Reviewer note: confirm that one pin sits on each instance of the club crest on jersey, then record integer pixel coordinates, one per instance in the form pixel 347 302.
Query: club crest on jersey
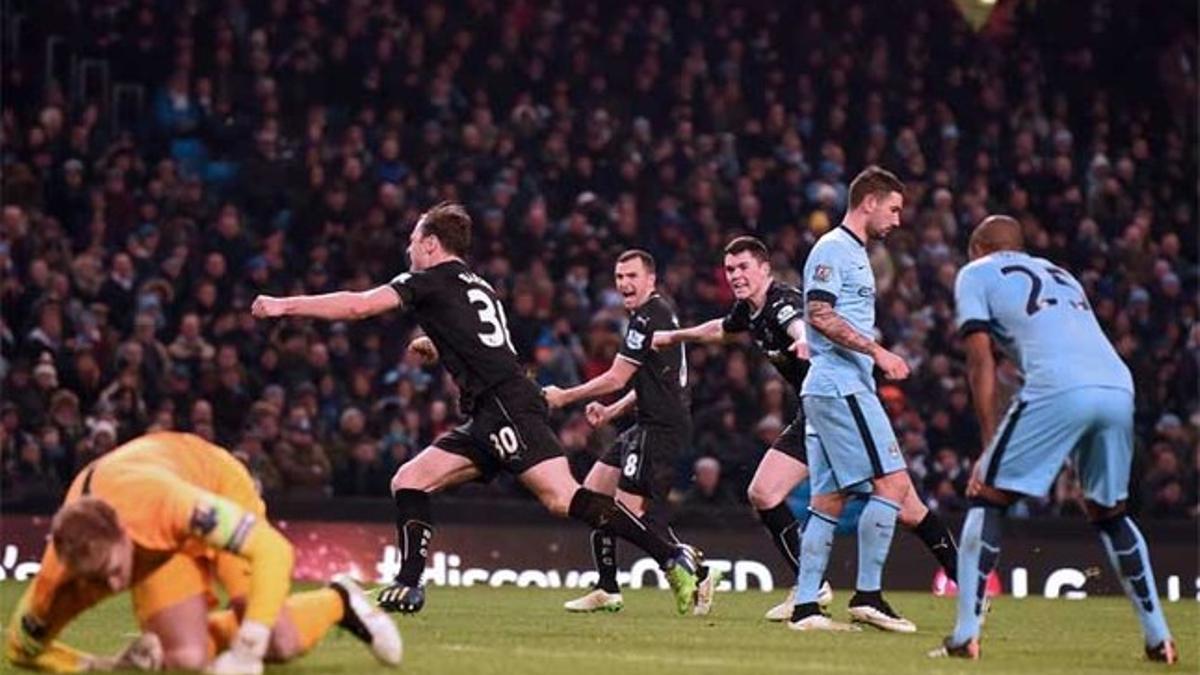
pixel 634 339
pixel 822 273
pixel 204 520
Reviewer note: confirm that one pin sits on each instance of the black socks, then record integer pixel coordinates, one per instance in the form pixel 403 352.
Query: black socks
pixel 414 531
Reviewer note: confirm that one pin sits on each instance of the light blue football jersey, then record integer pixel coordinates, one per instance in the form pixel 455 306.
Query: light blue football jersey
pixel 838 271
pixel 1041 316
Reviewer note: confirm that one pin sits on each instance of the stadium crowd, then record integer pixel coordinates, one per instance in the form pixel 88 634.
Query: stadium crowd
pixel 288 146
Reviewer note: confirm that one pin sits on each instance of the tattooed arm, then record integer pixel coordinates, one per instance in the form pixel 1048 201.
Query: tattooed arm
pixel 821 316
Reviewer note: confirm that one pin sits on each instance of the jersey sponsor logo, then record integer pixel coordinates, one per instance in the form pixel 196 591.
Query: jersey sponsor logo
pixel 787 312
pixel 635 339
pixel 823 273
pixel 866 292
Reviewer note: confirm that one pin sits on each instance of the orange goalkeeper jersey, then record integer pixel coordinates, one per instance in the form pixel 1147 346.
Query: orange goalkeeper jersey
pixel 173 493
pixel 161 486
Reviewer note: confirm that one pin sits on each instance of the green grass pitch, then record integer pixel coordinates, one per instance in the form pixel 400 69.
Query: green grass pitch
pixel 510 630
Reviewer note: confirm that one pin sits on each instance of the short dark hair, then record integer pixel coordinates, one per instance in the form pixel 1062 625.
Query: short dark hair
pixel 873 180
pixel 83 532
pixel 746 243
pixel 644 256
pixel 450 223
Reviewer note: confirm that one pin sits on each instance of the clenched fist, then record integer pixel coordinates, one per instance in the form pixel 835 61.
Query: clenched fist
pixel 424 349
pixel 596 414
pixel 267 307
pixel 893 366
pixel 555 397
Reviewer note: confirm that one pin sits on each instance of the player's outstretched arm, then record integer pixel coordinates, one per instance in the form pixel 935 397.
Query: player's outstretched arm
pixel 339 306
pixel 612 380
pixel 798 331
pixel 25 649
pixel 47 606
pixel 709 332
pixel 981 378
pixel 824 320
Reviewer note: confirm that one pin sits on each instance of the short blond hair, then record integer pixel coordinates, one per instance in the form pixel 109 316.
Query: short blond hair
pixel 84 532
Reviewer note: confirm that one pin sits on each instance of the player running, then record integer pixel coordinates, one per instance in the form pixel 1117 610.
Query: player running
pixel 849 440
pixel 1076 401
pixel 164 516
pixel 771 312
pixel 639 468
pixel 508 429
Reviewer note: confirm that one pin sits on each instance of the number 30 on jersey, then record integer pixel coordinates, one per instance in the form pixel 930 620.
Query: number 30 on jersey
pixel 491 315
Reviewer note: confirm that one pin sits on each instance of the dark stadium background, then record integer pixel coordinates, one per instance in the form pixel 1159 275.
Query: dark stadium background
pixel 163 162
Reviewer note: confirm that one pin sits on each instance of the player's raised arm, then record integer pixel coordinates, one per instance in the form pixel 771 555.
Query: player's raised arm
pixel 709 332
pixel 338 306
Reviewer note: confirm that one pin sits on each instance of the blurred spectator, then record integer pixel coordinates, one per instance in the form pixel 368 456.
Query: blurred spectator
pixel 263 160
pixel 302 462
pixel 30 480
pixel 946 482
pixel 251 452
pixel 362 473
pixel 707 489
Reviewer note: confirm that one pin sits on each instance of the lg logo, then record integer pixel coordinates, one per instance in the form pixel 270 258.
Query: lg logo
pixel 1069 582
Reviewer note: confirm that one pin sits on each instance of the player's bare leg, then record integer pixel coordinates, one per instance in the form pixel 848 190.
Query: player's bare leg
pixel 182 630
pixel 191 636
pixel 552 483
pixel 308 616
pixel 606 595
pixel 776 476
pixel 603 478
pixel 432 470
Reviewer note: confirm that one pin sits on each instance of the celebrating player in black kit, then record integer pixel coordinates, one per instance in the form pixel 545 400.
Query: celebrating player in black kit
pixel 771 312
pixel 507 431
pixel 639 468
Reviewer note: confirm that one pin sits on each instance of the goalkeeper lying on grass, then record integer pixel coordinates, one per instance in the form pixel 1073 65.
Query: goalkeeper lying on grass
pixel 164 516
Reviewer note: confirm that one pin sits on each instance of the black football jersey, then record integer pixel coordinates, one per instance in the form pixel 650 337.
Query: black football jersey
pixel 661 379
pixel 769 329
pixel 460 313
